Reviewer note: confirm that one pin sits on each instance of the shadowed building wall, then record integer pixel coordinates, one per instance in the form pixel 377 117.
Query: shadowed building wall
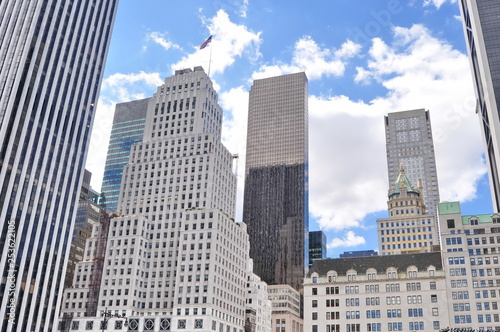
pixel 276 182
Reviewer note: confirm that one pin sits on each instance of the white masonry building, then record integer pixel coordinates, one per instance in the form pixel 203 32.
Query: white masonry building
pixel 175 259
pixel 376 293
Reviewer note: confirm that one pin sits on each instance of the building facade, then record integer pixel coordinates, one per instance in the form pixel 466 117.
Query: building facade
pixel 317 246
pixel 360 253
pixel 481 24
pixel 175 259
pixel 286 309
pixel 471 250
pixel 409 142
pixel 52 56
pixel 276 178
pixel 258 305
pixel 88 210
pixel 408 228
pixel 128 128
pixel 376 293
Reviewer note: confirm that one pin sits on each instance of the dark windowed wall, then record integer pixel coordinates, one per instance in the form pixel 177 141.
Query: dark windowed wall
pixel 317 246
pixel 52 55
pixel 481 26
pixel 128 128
pixel 276 184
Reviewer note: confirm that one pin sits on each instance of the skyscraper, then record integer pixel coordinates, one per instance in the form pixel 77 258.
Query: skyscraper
pixel 52 56
pixel 128 128
pixel 175 259
pixel 481 26
pixel 409 142
pixel 276 178
pixel 317 246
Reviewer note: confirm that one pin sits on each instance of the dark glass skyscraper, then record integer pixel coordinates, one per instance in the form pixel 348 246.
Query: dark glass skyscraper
pixel 276 179
pixel 52 55
pixel 128 128
pixel 317 246
pixel 481 27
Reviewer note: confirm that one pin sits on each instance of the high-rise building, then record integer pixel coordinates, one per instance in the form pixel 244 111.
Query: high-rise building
pixel 317 246
pixel 175 259
pixel 258 305
pixel 52 56
pixel 88 209
pixel 408 228
pixel 481 26
pixel 377 293
pixel 276 179
pixel 470 246
pixel 128 128
pixel 409 142
pixel 286 308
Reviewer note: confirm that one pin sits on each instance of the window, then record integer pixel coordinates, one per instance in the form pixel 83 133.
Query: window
pixel 432 285
pixel 451 223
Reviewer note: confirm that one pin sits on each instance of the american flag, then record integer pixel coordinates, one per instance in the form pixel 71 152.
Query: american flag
pixel 205 43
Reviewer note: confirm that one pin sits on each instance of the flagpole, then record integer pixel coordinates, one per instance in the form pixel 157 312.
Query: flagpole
pixel 210 59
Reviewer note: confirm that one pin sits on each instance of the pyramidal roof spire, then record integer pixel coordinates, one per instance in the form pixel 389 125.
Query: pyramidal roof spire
pixel 402 183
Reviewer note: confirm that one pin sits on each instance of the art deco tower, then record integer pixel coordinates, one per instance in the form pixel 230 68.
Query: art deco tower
pixel 276 178
pixel 481 26
pixel 174 259
pixel 52 55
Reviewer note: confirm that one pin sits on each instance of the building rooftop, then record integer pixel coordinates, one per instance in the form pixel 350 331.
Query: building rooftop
pixel 381 263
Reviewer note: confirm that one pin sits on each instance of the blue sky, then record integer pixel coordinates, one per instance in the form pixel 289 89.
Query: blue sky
pixel 363 58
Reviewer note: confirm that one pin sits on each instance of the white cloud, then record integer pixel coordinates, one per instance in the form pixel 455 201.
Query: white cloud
pixel 350 240
pixel 159 39
pixel 348 171
pixel 437 3
pixel 234 129
pixel 315 61
pixel 230 41
pixel 243 9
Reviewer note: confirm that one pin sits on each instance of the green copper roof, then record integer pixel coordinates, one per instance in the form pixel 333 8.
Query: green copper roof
pixel 402 182
pixel 449 208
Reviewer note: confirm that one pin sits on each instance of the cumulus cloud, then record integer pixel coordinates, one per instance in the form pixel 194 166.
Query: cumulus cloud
pixel 348 171
pixel 234 129
pixel 315 61
pixel 350 240
pixel 230 41
pixel 160 39
pixel 437 3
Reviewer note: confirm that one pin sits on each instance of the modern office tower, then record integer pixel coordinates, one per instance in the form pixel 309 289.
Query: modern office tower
pixel 317 246
pixel 286 309
pixel 409 142
pixel 376 293
pixel 408 228
pixel 470 247
pixel 88 210
pixel 175 259
pixel 481 26
pixel 276 179
pixel 52 56
pixel 128 128
pixel 360 253
pixel 258 305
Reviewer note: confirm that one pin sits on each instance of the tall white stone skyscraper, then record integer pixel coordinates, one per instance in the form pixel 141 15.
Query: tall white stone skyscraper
pixel 481 26
pixel 276 179
pixel 409 143
pixel 175 259
pixel 52 56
